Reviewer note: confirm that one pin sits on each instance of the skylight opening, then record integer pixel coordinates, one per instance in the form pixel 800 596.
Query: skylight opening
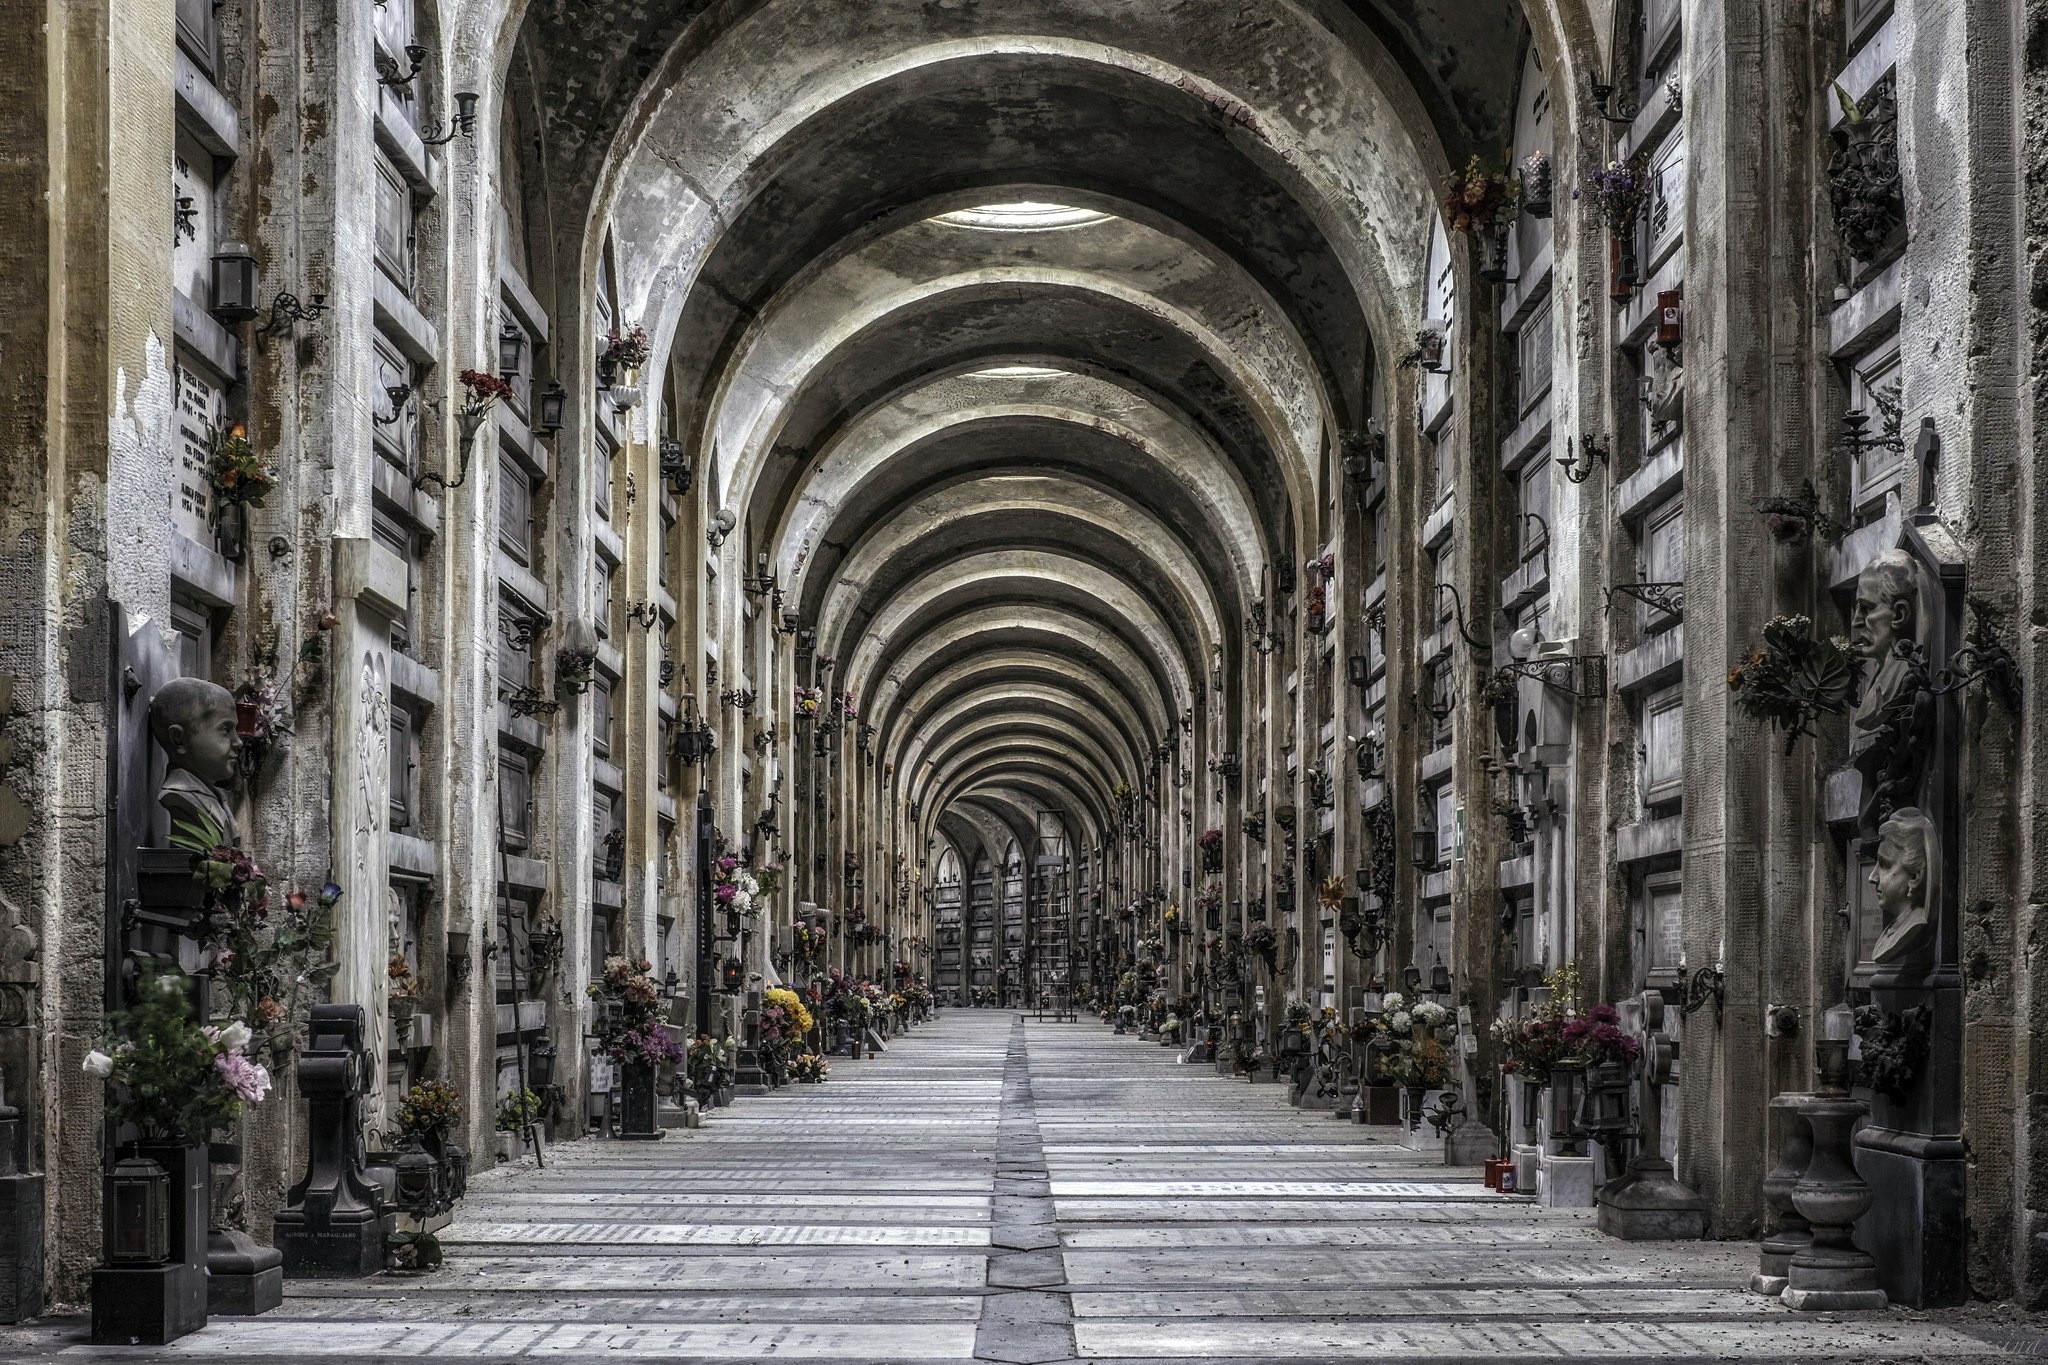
pixel 1023 215
pixel 1016 372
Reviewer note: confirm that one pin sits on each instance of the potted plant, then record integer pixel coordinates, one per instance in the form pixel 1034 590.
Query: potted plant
pixel 518 1112
pixel 633 1035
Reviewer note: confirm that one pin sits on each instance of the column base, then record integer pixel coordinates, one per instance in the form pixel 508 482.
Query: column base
pixel 1649 1204
pixel 21 1245
pixel 243 1277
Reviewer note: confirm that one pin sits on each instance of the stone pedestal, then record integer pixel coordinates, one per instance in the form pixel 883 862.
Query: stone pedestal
pixel 21 1228
pixel 1564 1182
pixel 334 1221
pixel 1526 1157
pixel 155 1304
pixel 1791 1234
pixel 1469 1144
pixel 1915 1225
pixel 1832 1274
pixel 243 1277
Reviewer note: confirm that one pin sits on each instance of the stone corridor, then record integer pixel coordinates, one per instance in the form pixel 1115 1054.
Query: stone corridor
pixel 1003 1189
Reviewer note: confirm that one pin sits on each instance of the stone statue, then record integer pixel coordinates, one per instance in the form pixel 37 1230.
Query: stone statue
pixel 1892 727
pixel 1907 878
pixel 193 720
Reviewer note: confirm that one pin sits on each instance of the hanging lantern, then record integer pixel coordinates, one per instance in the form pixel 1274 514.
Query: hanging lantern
pixel 511 352
pixel 234 282
pixel 732 975
pixel 1439 979
pixel 137 1212
pixel 554 406
pixel 540 1064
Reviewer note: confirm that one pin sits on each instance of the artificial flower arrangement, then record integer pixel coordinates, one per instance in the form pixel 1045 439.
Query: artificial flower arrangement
pixel 1259 938
pixel 627 350
pixel 1154 946
pixel 847 709
pixel 261 959
pixel 1477 201
pixel 809 942
pixel 1796 678
pixel 1617 191
pixel 238 477
pixel 767 879
pixel 734 887
pixel 808 1069
pixel 1538 177
pixel 429 1110
pixel 518 1110
pixel 636 1036
pixel 1211 845
pixel 174 1079
pixel 709 1060
pixel 809 702
pixel 1596 1038
pixel 1318 606
pixel 917 996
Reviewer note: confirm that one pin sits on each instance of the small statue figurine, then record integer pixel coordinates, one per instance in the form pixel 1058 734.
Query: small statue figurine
pixel 1907 878
pixel 1893 724
pixel 193 720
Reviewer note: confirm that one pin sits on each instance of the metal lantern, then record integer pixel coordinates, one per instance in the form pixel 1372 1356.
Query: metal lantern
pixel 137 1212
pixel 511 352
pixel 540 1064
pixel 1422 848
pixel 675 465
pixel 732 975
pixel 1603 1104
pixel 1565 1084
pixel 419 1180
pixel 1359 669
pixel 235 284
pixel 1411 979
pixel 554 406
pixel 1439 979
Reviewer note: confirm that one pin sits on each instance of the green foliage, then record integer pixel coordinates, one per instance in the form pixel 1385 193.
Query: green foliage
pixel 160 1061
pixel 431 1107
pixel 520 1109
pixel 1796 678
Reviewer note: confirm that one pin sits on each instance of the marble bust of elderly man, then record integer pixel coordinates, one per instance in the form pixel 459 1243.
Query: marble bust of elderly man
pixel 1906 875
pixel 193 721
pixel 1894 717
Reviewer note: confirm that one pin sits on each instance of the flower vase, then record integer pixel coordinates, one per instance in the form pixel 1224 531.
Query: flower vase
pixel 637 1121
pixel 1621 269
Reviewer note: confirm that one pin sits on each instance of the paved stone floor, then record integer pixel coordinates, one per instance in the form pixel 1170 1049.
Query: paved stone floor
pixel 1002 1189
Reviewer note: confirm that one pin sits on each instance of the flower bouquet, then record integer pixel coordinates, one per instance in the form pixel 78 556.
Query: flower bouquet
pixel 1476 201
pixel 1259 938
pixel 238 477
pixel 518 1111
pixel 172 1078
pixel 808 1069
pixel 809 702
pixel 627 350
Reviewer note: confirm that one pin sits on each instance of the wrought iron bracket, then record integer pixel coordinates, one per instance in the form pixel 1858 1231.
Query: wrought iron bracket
pixel 1706 984
pixel 1983 658
pixel 1668 598
pixel 531 701
pixel 1595 451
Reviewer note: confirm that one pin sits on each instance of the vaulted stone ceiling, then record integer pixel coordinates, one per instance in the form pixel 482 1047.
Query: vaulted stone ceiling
pixel 1027 478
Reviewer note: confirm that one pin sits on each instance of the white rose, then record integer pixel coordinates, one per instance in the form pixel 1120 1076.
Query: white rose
pixel 98 1063
pixel 1399 1020
pixel 1393 1000
pixel 235 1036
pixel 170 985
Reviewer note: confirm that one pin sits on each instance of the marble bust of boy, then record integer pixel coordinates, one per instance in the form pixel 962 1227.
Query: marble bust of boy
pixel 193 721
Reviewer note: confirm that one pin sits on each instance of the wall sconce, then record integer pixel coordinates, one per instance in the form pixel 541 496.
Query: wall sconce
pixel 788 622
pixel 511 352
pixel 732 976
pixel 1602 92
pixel 645 615
pixel 1479 645
pixel 1439 976
pixel 807 640
pixel 1411 979
pixel 540 1063
pixel 286 308
pixel 1595 451
pixel 675 466
pixel 388 72
pixel 400 396
pixel 463 124
pixel 1362 450
pixel 1670 318
pixel 625 397
pixel 722 522
pixel 1358 669
pixel 761 582
pixel 671 985
pixel 554 406
pixel 235 284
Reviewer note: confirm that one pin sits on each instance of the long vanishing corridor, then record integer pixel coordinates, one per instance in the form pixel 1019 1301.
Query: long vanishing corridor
pixel 1000 1189
pixel 1422 621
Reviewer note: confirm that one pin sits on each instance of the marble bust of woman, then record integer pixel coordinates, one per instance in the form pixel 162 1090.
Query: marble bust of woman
pixel 1906 875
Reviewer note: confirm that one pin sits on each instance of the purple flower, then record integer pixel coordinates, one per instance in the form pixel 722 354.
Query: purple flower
pixel 247 1079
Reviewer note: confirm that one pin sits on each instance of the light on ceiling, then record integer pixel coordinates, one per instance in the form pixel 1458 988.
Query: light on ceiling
pixel 1022 215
